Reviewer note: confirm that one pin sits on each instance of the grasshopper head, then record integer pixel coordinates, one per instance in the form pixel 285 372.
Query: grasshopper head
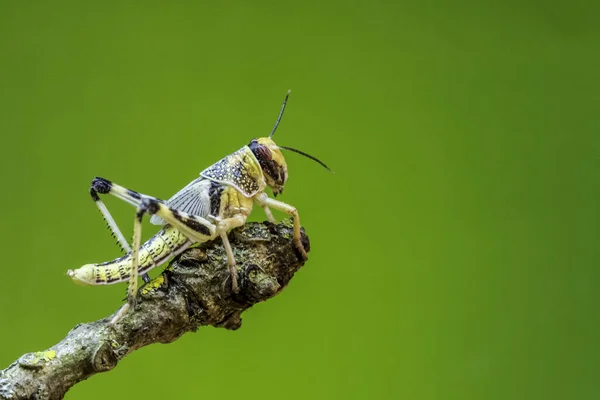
pixel 271 162
pixel 270 158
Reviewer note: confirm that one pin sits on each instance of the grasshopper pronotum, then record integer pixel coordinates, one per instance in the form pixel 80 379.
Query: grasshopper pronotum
pixel 208 207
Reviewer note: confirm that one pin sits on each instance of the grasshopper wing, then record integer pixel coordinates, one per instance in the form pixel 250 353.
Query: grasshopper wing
pixel 193 199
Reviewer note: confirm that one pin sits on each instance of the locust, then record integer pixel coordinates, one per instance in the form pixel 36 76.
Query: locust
pixel 219 200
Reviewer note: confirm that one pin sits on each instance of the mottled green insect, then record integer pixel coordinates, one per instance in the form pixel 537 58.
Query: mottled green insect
pixel 208 207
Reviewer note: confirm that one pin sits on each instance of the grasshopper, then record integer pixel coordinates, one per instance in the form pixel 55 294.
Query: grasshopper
pixel 208 207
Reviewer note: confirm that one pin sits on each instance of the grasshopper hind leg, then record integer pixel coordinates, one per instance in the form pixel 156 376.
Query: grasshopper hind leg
pixel 132 289
pixel 103 186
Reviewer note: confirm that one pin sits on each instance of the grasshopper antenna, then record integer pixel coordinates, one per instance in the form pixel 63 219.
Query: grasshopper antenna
pixel 280 113
pixel 307 156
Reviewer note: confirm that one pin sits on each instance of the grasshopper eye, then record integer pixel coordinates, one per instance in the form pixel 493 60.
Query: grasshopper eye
pixel 261 151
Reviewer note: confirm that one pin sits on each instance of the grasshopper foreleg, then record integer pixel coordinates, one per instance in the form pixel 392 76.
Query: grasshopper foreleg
pixel 265 201
pixel 269 214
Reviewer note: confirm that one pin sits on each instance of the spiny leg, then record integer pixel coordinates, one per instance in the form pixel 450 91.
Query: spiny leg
pixel 135 261
pixel 265 200
pixel 135 255
pixel 112 225
pixel 104 186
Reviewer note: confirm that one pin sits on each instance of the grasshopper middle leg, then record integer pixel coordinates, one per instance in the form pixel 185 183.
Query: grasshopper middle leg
pixel 224 226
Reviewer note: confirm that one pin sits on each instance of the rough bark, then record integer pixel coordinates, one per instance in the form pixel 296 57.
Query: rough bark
pixel 195 290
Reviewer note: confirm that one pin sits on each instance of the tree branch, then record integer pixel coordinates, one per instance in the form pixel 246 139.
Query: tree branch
pixel 195 290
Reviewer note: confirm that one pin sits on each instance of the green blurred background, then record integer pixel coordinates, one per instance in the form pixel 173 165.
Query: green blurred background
pixel 454 252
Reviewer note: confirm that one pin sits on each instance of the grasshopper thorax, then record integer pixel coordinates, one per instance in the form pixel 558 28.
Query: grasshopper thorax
pixel 271 162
